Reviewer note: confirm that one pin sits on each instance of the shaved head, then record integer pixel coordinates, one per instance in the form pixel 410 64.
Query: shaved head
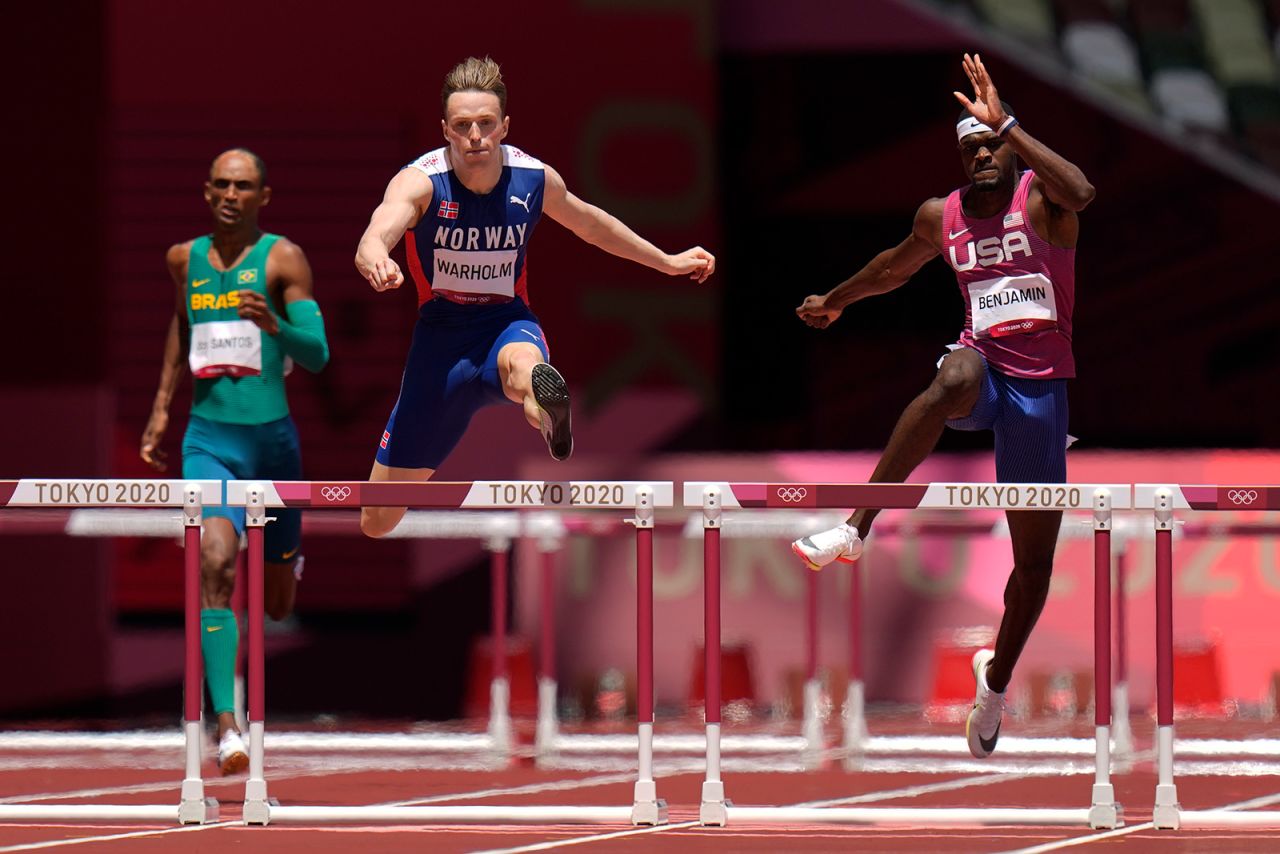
pixel 243 152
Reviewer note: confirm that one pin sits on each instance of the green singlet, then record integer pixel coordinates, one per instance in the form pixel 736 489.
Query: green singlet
pixel 255 398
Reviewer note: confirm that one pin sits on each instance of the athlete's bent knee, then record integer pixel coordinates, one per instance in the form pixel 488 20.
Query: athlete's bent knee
pixel 217 563
pixel 377 524
pixel 960 374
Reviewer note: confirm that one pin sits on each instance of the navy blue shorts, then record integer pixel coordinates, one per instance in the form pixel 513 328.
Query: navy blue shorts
pixel 1029 418
pixel 451 373
pixel 214 450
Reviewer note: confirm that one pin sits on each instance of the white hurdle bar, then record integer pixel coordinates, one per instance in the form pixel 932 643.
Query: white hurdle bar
pixel 716 810
pixel 191 496
pixel 1163 500
pixel 642 498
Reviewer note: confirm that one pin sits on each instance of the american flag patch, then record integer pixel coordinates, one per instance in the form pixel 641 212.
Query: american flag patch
pixel 386 437
pixel 448 210
pixel 1013 219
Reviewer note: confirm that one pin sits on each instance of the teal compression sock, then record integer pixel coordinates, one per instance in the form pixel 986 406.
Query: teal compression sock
pixel 219 638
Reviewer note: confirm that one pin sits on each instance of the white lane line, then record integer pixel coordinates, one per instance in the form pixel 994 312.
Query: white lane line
pixel 595 837
pixel 915 791
pixel 93 793
pixel 1084 840
pixel 867 797
pixel 1252 803
pixel 139 834
pixel 530 788
pixel 527 789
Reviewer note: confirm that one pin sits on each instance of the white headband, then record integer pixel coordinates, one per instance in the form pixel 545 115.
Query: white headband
pixel 969 125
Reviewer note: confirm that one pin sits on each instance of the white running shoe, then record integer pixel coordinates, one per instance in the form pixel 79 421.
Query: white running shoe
pixel 982 728
pixel 233 756
pixel 841 543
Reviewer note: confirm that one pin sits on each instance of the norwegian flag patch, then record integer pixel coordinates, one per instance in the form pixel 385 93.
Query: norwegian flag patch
pixel 1013 219
pixel 448 210
pixel 386 437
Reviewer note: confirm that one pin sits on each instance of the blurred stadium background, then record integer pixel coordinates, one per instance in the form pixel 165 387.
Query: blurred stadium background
pixel 794 140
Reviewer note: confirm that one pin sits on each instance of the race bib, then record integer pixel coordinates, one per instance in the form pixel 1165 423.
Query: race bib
pixel 231 348
pixel 1012 305
pixel 475 277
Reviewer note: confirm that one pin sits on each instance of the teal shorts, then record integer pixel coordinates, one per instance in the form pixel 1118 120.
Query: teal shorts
pixel 213 450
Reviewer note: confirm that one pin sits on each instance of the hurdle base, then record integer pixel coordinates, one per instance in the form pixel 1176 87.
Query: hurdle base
pixel 257 806
pixel 195 808
pixel 1105 814
pixel 648 809
pixel 713 811
pixel 1166 815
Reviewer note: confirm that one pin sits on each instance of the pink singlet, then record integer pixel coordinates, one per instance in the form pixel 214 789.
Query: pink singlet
pixel 1018 289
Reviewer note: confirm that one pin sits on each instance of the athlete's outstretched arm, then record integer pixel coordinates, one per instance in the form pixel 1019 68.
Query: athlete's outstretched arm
pixel 175 348
pixel 1064 183
pixel 407 196
pixel 602 229
pixel 889 270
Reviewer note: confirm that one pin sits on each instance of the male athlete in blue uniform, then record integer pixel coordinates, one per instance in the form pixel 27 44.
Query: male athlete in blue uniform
pixel 245 313
pixel 467 212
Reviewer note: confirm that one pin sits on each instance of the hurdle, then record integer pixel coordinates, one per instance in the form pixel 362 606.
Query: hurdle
pixel 641 498
pixel 784 524
pixel 1163 501
pixel 191 496
pixel 713 497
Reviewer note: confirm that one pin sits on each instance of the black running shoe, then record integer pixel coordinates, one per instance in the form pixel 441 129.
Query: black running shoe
pixel 553 398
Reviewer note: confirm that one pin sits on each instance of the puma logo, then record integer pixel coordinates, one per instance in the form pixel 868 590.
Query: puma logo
pixel 524 203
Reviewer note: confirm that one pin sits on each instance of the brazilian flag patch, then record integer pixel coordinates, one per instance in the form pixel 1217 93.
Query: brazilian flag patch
pixel 247 277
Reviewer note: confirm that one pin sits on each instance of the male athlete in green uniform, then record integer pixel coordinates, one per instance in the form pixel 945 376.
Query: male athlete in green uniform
pixel 245 313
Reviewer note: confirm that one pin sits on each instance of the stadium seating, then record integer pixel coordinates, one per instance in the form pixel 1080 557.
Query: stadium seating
pixel 1206 67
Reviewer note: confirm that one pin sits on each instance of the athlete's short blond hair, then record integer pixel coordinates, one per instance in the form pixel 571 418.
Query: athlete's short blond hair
pixel 475 75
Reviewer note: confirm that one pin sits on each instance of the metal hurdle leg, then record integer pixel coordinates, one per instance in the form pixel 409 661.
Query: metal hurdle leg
pixel 194 808
pixel 713 809
pixel 647 808
pixel 855 719
pixel 500 686
pixel 1121 734
pixel 257 809
pixel 548 726
pixel 811 726
pixel 1104 812
pixel 1166 810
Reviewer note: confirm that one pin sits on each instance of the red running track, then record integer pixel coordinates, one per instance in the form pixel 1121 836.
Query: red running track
pixel 149 777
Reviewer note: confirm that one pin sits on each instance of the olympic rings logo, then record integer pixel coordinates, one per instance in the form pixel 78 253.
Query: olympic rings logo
pixel 1242 496
pixel 792 494
pixel 335 493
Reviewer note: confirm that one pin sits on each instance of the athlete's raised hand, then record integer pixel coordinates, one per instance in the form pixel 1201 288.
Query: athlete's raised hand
pixel 985 106
pixel 697 263
pixel 151 452
pixel 814 312
pixel 253 306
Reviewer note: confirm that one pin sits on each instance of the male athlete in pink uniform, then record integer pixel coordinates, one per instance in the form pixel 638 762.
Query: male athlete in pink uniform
pixel 1011 237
